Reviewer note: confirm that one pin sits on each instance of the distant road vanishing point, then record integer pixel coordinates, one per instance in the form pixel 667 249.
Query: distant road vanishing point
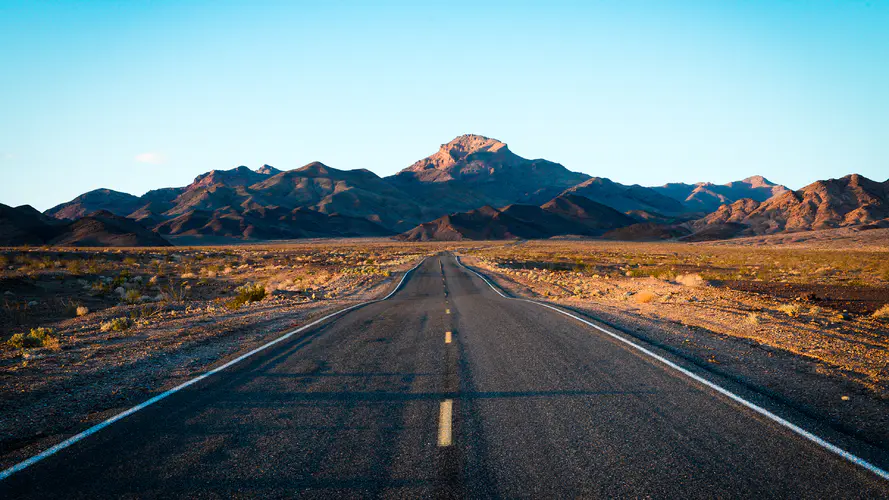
pixel 447 389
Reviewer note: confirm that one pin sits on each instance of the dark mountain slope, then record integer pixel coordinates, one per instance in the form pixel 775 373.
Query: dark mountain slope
pixel 24 226
pixel 117 203
pixel 564 215
pixel 626 198
pixel 104 229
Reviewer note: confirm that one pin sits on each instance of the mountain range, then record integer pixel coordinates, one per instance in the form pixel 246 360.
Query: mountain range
pixel 472 187
pixel 566 214
pixel 25 225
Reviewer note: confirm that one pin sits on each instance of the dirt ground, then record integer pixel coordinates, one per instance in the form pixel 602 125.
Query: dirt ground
pixel 861 300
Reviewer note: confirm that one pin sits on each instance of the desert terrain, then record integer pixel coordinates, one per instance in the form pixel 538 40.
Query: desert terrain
pixel 89 332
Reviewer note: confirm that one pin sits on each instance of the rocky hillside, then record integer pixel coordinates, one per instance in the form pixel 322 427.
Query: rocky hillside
pixel 118 203
pixel 707 197
pixel 26 226
pixel 269 224
pixel 466 173
pixel 448 187
pixel 564 215
pixel 314 200
pixel 472 171
pixel 851 200
pixel 626 198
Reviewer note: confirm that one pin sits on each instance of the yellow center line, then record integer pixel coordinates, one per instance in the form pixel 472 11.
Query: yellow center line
pixel 447 337
pixel 444 423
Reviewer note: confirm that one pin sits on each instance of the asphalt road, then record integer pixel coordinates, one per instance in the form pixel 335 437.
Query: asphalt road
pixel 523 402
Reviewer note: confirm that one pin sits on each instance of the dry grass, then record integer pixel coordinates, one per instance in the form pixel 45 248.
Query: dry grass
pixel 792 310
pixel 882 313
pixel 37 337
pixel 116 325
pixel 645 297
pixel 251 292
pixel 665 260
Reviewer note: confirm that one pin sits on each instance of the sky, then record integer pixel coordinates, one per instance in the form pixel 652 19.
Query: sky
pixel 140 95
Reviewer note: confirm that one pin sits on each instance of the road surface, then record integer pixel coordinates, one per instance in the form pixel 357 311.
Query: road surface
pixel 516 401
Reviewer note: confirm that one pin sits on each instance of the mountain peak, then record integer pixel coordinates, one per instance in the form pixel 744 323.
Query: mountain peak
pixel 316 168
pixel 756 181
pixel 458 150
pixel 238 176
pixel 468 144
pixel 267 170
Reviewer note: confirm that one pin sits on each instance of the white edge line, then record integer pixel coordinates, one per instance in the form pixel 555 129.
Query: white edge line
pixel 96 428
pixel 725 392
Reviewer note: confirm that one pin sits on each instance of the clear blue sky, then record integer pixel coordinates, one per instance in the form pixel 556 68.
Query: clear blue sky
pixel 140 95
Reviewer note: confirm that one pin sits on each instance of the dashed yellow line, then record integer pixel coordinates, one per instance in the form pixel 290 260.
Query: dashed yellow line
pixel 445 412
pixel 447 337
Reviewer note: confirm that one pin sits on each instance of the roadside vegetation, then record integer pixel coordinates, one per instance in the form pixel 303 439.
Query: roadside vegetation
pixel 42 286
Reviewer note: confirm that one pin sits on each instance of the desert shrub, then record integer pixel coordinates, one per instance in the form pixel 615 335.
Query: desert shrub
pixel 132 297
pixel 664 274
pixel 146 312
pixel 840 316
pixel 37 337
pixel 129 261
pixel 882 313
pixel 693 280
pixel 17 341
pixel 82 311
pixel 752 319
pixel 792 310
pixel 116 325
pixel 75 267
pixel 174 294
pixel 100 287
pixel 645 297
pixel 94 266
pixel 4 261
pixel 251 292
